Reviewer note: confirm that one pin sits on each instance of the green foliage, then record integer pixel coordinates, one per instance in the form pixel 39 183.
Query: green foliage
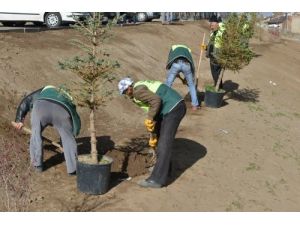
pixel 94 66
pixel 252 167
pixel 212 88
pixel 235 53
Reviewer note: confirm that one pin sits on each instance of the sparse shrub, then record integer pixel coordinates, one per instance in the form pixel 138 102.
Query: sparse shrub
pixel 15 174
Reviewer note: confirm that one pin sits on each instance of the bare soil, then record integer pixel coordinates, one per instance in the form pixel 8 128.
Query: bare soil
pixel 243 156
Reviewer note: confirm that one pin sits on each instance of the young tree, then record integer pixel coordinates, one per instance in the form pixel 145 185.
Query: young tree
pixel 94 67
pixel 234 52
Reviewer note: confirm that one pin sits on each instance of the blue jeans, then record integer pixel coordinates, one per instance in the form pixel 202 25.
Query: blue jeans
pixel 167 16
pixel 185 68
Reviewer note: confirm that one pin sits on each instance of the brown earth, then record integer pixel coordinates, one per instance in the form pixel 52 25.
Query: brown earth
pixel 243 156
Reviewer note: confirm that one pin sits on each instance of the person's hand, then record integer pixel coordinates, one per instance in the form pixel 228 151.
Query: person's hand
pixel 150 124
pixel 203 47
pixel 19 125
pixel 152 142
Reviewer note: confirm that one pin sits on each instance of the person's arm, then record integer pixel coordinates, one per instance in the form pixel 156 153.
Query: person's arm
pixel 142 93
pixel 25 107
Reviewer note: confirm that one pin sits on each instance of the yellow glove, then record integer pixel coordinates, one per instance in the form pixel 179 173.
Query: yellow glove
pixel 152 142
pixel 149 125
pixel 203 47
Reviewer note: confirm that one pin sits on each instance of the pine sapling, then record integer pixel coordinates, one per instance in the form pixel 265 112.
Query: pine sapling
pixel 94 67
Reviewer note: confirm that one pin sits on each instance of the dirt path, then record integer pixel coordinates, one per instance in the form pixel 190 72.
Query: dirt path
pixel 243 156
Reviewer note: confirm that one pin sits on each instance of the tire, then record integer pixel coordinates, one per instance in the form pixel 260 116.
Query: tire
pixel 53 20
pixel 8 23
pixel 141 17
pixel 20 24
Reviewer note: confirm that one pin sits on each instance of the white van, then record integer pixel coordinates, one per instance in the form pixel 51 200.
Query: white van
pixel 51 19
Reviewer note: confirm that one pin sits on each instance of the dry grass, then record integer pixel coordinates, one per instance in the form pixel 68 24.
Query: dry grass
pixel 15 174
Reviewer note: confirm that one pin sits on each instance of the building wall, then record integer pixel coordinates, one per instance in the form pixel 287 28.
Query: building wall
pixel 295 24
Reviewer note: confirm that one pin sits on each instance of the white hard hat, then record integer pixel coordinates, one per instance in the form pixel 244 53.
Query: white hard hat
pixel 124 84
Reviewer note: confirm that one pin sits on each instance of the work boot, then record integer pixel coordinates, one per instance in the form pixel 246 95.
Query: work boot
pixel 72 174
pixel 195 108
pixel 149 184
pixel 38 169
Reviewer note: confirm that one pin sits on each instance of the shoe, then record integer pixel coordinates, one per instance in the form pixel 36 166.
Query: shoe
pixel 195 108
pixel 149 184
pixel 38 169
pixel 72 174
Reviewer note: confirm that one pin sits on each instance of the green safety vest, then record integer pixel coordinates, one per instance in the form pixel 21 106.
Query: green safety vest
pixel 169 97
pixel 62 97
pixel 217 37
pixel 180 51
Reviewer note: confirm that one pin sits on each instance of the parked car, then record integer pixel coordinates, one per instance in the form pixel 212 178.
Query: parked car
pixel 131 16
pixel 51 19
pixel 146 16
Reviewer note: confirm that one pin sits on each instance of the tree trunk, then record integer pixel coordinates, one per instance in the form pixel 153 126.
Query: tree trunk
pixel 94 152
pixel 219 80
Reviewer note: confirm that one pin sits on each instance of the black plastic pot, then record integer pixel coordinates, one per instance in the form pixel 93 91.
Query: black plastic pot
pixel 213 99
pixel 93 178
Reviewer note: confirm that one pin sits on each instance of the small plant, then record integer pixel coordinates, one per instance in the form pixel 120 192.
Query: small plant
pixel 255 108
pixel 252 167
pixel 235 205
pixel 95 69
pixel 211 88
pixel 234 53
pixel 271 187
pixel 279 128
pixel 281 114
pixel 297 115
pixel 277 146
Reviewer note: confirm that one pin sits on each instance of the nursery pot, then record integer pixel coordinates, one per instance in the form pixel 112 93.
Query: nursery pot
pixel 93 178
pixel 213 99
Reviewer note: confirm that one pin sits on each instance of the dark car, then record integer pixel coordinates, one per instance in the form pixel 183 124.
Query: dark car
pixel 131 16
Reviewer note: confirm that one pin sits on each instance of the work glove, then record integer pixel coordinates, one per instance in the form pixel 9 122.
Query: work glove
pixel 152 142
pixel 203 47
pixel 149 125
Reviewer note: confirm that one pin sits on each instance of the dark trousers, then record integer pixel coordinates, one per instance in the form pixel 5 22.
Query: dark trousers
pixel 215 72
pixel 46 113
pixel 167 132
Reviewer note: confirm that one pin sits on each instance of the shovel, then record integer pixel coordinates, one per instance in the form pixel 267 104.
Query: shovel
pixel 28 131
pixel 199 63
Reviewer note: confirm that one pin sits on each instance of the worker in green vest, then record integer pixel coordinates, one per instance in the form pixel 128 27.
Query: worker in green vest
pixel 165 109
pixel 212 48
pixel 180 60
pixel 50 106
